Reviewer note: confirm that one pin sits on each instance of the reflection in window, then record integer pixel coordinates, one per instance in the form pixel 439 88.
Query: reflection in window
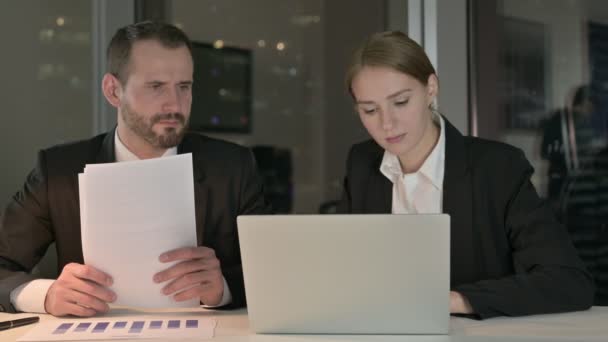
pixel 552 89
pixel 47 68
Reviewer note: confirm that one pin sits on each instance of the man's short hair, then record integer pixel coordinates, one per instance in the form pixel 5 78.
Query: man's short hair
pixel 119 50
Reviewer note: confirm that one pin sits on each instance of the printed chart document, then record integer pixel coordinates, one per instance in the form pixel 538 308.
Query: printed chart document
pixel 131 213
pixel 165 328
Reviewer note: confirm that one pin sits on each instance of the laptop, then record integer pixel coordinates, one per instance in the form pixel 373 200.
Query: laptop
pixel 346 274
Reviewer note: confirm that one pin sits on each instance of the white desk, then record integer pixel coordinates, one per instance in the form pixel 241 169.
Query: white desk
pixel 233 326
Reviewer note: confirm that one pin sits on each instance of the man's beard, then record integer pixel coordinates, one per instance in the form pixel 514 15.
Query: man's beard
pixel 142 127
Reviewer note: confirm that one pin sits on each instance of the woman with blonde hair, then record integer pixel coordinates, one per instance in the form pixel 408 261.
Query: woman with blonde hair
pixel 509 255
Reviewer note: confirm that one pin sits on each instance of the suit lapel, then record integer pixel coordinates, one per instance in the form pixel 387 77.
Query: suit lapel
pixel 107 152
pixel 457 202
pixel 188 145
pixel 379 194
pixel 201 190
pixel 379 197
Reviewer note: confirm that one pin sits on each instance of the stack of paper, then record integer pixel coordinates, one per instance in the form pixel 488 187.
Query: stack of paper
pixel 131 213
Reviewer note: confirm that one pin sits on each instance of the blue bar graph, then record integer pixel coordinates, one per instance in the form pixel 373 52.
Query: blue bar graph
pixel 81 327
pixel 62 328
pixel 119 328
pixel 100 327
pixel 156 324
pixel 136 327
pixel 120 325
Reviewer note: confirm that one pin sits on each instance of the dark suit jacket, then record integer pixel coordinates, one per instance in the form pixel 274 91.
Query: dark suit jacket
pixel 509 255
pixel 226 183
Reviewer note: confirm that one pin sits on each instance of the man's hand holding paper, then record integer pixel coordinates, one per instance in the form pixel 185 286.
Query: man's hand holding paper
pixel 196 275
pixel 80 290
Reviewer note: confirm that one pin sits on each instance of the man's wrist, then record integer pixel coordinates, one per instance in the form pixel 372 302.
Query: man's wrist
pixel 226 296
pixel 31 296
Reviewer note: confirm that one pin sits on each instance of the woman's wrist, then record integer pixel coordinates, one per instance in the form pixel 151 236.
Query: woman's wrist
pixel 459 304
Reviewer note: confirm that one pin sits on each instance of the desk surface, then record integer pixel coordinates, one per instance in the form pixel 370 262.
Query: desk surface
pixel 233 326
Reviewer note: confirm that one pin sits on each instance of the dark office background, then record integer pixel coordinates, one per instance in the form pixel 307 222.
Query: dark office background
pixel 537 78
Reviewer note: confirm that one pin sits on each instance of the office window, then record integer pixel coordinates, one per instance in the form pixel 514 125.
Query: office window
pixel 301 122
pixel 542 85
pixel 46 70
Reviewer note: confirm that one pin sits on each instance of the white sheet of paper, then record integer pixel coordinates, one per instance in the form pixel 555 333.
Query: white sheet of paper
pixel 133 327
pixel 131 213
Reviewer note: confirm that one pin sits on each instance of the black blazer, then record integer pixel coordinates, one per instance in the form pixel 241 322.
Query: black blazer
pixel 509 255
pixel 226 184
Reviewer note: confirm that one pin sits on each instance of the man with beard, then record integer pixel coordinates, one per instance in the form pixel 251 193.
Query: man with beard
pixel 149 81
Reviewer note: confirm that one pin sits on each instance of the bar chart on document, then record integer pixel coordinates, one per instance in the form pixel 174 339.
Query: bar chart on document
pixel 125 328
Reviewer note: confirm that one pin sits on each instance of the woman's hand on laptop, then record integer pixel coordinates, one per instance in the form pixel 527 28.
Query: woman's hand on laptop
pixel 196 275
pixel 459 304
pixel 80 290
